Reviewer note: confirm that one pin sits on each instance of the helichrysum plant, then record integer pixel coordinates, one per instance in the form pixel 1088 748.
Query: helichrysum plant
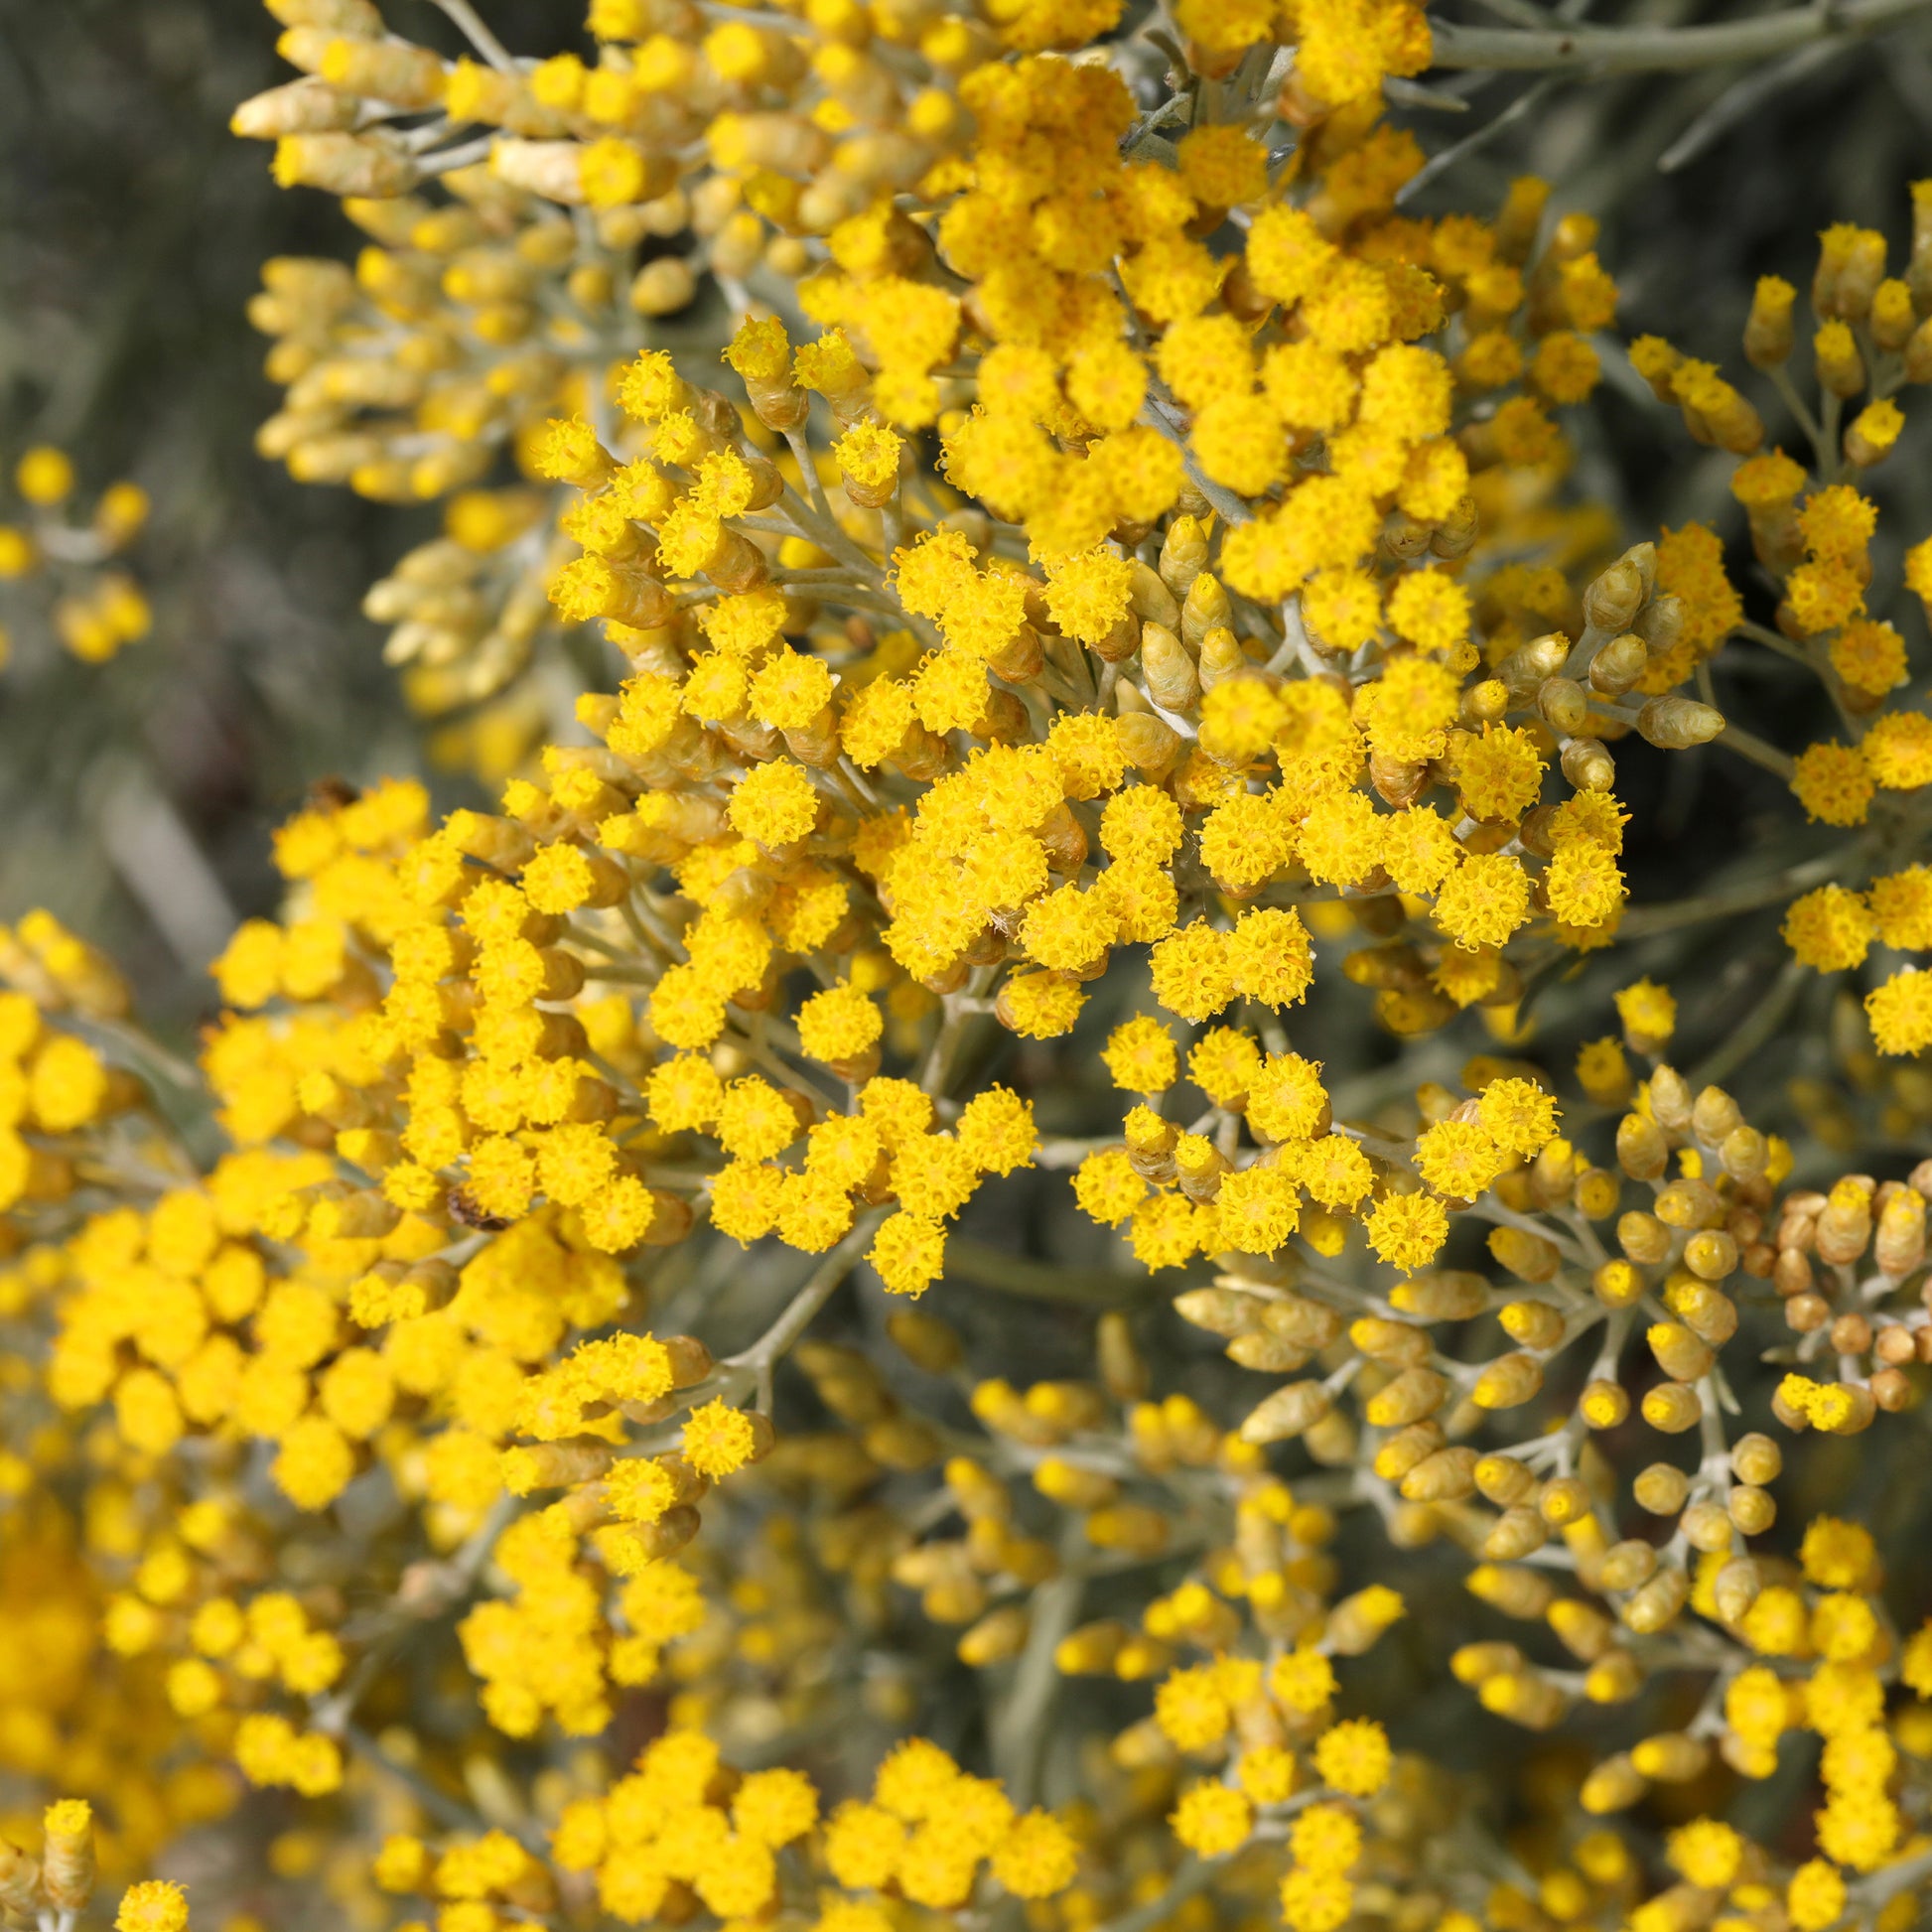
pixel 1014 605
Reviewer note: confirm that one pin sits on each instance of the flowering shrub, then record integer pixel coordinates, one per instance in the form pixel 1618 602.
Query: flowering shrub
pixel 1001 584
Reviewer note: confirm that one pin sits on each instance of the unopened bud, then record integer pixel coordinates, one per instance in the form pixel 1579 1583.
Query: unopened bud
pixel 1535 1324
pixel 1471 1663
pixel 1204 608
pixel 1288 1412
pixel 1767 329
pixel 1614 599
pixel 1676 723
pixel 1672 1407
pixel 1587 764
pixel 1562 704
pixel 367 166
pixel 1509 1381
pixel 1171 680
pixel 1445 1476
pixel 1614 1678
pixel 1619 665
pixel 1455 536
pixel 1710 1254
pixel 1671 1757
pixel 1653 1607
pixel 1585 1632
pixel 1357 1621
pixel 1515 1534
pixel 1628 1565
pixel 1527 1255
pixel 1532 1702
pixel 1900 1244
pixel 1183 555
pixel 1406 1449
pixel 1525 668
pixel 1614 1785
pixel 1505 1481
pixel 1511 1588
pixel 68 1857
pixel 1413 1394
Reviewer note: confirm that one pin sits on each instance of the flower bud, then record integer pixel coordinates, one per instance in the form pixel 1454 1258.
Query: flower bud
pixel 68 1857
pixel 1767 329
pixel 1406 1449
pixel 1805 1313
pixel 1614 1785
pixel 1512 1589
pixel 1587 764
pixel 1670 1756
pixel 1844 1225
pixel 1515 1534
pixel 368 165
pixel 1618 1284
pixel 1358 1620
pixel 1614 1678
pixel 1619 665
pixel 1204 608
pixel 1397 1343
pixel 1676 723
pixel 1331 1441
pixel 1615 597
pixel 1183 555
pixel 995 1637
pixel 1628 1565
pixel 1745 1153
pixel 1535 1324
pixel 1850 1334
pixel 1451 1296
pixel 1736 1588
pixel 1505 1481
pixel 1562 704
pixel 1641 1148
pixel 1457 534
pixel 1149 744
pixel 1690 1203
pixel 1892 1391
pixel 1707 1526
pixel 1584 1631
pixel 1900 1244
pixel 1532 1702
pixel 1471 1663
pixel 1295 1318
pixel 1672 1407
pixel 1509 1381
pixel 1841 368
pixel 1267 1354
pixel 1413 1394
pixel 1527 1255
pixel 1171 680
pixel 1445 1476
pixel 1220 1310
pixel 1604 1404
pixel 1660 623
pixel 1285 1413
pixel 1525 668
pixel 1643 1237
pixel 1655 1605
pixel 1709 1313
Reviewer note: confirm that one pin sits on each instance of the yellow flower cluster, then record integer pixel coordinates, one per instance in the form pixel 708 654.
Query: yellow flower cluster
pixel 94 610
pixel 976 574
pixel 1812 530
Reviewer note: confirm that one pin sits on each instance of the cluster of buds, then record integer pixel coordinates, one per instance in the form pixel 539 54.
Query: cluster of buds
pixel 94 610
